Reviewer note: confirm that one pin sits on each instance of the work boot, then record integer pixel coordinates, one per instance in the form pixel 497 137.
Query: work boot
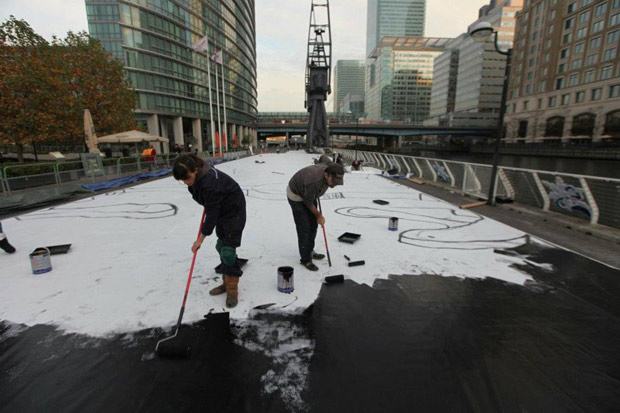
pixel 317 256
pixel 4 244
pixel 310 265
pixel 220 289
pixel 232 290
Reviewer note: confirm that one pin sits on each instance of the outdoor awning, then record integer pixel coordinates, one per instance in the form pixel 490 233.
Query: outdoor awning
pixel 133 136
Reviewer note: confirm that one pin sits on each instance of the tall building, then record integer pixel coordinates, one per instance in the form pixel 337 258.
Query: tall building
pixel 349 78
pixel 479 73
pixel 154 39
pixel 399 78
pixel 445 76
pixel 565 78
pixel 395 18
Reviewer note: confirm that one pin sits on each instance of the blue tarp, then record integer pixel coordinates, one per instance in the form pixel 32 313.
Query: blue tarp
pixel 126 180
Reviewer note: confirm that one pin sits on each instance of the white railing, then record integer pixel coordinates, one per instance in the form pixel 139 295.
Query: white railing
pixel 592 198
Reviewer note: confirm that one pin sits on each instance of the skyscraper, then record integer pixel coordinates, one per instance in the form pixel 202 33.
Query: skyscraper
pixel 349 78
pixel 399 78
pixel 154 39
pixel 397 18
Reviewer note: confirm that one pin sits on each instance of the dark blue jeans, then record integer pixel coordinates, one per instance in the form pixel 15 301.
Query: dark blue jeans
pixel 306 225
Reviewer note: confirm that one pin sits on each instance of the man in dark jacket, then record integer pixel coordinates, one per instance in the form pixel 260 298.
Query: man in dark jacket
pixel 304 188
pixel 224 205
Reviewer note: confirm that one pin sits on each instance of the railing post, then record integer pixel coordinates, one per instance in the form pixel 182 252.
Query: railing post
pixel 543 192
pixel 430 166
pixel 6 177
pixel 118 166
pixel 139 163
pixel 591 201
pixel 57 173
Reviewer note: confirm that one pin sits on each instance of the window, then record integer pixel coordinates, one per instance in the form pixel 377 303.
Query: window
pixel 571 8
pixel 596 93
pixel 559 83
pixel 539 104
pixel 567 38
pixel 565 100
pixel 528 89
pixel 614 91
pixel 612 123
pixel 530 75
pixel 554 126
pixel 526 104
pixel 568 23
pixel 573 80
pixel 579 48
pixel 576 64
pixel 588 77
pixel 580 96
pixel 550 29
pixel 581 33
pixel 597 26
pixel 584 17
pixel 615 4
pixel 591 59
pixel 585 2
pixel 561 68
pixel 563 53
pixel 522 132
pixel 595 43
pixel 514 108
pixel 614 19
pixel 542 86
pixel 607 72
pixel 600 10
pixel 551 102
pixel 610 54
pixel 613 37
pixel 583 124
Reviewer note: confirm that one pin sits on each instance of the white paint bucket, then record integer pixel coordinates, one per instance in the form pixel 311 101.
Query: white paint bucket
pixel 40 261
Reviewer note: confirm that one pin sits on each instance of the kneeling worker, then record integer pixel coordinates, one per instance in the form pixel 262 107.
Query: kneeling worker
pixel 304 188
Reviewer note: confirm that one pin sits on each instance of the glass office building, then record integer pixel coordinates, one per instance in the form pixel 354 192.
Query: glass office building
pixel 349 78
pixel 399 78
pixel 154 39
pixel 396 18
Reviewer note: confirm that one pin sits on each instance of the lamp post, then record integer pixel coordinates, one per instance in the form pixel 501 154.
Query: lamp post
pixel 480 34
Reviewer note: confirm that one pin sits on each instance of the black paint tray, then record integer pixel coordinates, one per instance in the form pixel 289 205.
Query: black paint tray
pixel 380 202
pixel 59 249
pixel 349 237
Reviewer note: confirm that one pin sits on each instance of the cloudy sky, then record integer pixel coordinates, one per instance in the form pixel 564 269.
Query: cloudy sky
pixel 281 36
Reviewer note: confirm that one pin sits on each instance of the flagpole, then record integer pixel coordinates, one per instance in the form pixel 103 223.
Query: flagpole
pixel 224 104
pixel 210 98
pixel 219 121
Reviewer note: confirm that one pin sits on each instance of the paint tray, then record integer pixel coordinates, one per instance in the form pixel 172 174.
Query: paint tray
pixel 349 237
pixel 380 202
pixel 59 249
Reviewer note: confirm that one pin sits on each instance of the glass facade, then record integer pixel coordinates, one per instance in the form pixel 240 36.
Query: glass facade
pixel 348 80
pixel 396 18
pixel 154 39
pixel 400 79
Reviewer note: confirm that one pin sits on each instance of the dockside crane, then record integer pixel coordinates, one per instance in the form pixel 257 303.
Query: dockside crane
pixel 318 73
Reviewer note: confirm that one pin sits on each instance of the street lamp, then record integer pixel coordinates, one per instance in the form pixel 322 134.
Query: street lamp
pixel 480 33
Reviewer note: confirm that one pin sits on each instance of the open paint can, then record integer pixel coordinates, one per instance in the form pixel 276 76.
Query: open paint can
pixel 40 261
pixel 285 280
pixel 393 224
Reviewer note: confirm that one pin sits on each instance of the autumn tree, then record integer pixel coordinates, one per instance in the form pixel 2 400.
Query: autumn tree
pixel 45 87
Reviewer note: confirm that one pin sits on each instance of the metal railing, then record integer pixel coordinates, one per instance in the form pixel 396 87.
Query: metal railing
pixel 591 198
pixel 13 177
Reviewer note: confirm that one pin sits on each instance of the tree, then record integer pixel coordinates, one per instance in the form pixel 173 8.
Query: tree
pixel 45 87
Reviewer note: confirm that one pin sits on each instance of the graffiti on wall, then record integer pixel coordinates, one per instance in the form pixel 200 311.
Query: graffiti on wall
pixel 568 197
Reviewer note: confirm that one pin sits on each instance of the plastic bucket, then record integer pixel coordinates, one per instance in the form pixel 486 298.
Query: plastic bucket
pixel 285 280
pixel 40 261
pixel 393 224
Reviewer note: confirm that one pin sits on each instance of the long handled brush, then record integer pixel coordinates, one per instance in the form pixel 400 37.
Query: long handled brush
pixel 168 347
pixel 329 260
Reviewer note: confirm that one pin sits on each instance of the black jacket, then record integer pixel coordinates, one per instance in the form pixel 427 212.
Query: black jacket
pixel 223 200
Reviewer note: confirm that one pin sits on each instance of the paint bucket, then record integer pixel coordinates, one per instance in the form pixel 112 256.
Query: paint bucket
pixel 285 280
pixel 40 261
pixel 393 224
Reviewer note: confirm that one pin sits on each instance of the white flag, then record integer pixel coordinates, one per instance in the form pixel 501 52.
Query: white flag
pixel 217 57
pixel 201 45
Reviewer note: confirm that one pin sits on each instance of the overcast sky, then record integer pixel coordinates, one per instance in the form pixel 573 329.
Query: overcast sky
pixel 280 39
